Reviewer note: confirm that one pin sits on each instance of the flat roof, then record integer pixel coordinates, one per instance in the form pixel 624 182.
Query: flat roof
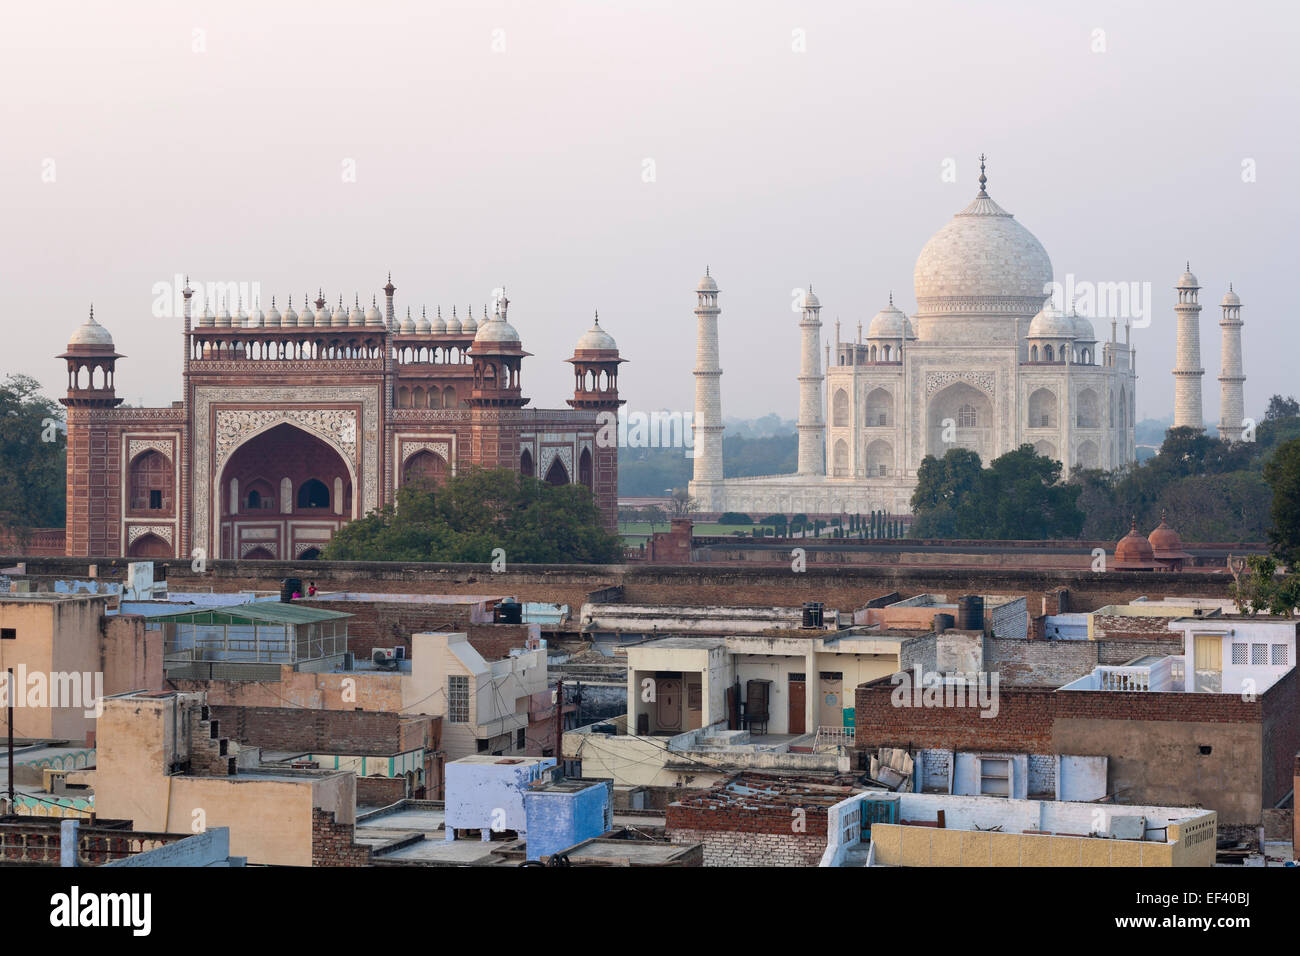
pixel 260 612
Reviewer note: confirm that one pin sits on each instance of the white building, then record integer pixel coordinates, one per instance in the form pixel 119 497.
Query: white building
pixel 985 363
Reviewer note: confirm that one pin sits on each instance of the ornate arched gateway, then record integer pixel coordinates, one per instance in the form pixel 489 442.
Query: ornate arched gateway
pixel 316 493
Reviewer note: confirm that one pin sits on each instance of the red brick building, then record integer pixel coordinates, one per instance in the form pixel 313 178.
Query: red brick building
pixel 291 424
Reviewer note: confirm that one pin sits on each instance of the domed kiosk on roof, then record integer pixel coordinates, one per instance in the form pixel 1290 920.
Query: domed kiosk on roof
pixel 1133 552
pixel 1167 546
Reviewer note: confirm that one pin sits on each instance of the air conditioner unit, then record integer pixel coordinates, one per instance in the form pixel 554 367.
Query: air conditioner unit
pixel 381 655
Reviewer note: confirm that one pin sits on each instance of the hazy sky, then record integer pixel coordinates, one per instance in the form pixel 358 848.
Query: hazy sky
pixel 507 143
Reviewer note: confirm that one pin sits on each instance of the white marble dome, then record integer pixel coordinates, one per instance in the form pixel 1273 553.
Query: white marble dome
pixel 1051 323
pixel 982 261
pixel 707 284
pixel 91 332
pixel 1230 298
pixel 1188 280
pixel 596 338
pixel 497 330
pixel 889 323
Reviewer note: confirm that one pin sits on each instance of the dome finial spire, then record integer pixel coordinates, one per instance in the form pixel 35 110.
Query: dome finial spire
pixel 983 179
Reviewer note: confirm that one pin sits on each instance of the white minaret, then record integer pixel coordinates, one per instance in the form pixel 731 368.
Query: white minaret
pixel 708 397
pixel 812 430
pixel 1188 371
pixel 1232 400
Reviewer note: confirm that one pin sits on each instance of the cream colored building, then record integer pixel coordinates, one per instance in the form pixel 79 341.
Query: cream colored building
pixel 66 652
pixel 676 730
pixel 479 700
pixel 159 768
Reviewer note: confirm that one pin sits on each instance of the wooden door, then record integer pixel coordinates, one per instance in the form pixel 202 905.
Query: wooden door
pixel 668 704
pixel 798 705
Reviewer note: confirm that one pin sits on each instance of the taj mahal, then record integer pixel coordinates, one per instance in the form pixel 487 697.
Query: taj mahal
pixel 987 362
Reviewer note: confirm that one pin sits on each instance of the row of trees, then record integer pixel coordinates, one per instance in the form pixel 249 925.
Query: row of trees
pixel 33 459
pixel 479 516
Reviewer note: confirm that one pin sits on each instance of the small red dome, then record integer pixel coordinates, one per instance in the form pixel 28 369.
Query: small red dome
pixel 1133 549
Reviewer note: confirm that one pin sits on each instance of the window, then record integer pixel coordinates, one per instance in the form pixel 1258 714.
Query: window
pixel 155 500
pixel 521 739
pixel 313 494
pixel 1259 653
pixel 966 417
pixel 1279 655
pixel 1239 653
pixel 8 633
pixel 458 701
pixel 482 745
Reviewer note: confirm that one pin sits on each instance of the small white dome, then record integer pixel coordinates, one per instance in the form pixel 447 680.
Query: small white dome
pixel 1230 298
pixel 240 319
pixel 290 318
pixel 207 319
pixel 422 324
pixel 810 301
pixel 224 319
pixel 707 284
pixel 340 314
pixel 438 325
pixel 497 330
pixel 356 316
pixel 596 338
pixel 453 324
pixel 889 323
pixel 471 324
pixel 373 315
pixel 272 318
pixel 1051 323
pixel 1187 280
pixel 91 332
pixel 407 324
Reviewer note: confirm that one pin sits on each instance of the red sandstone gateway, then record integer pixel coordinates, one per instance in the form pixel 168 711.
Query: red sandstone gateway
pixel 291 424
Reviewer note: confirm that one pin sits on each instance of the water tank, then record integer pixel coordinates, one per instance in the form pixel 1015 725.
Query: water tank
pixel 970 613
pixel 943 622
pixel 508 612
pixel 812 614
pixel 289 587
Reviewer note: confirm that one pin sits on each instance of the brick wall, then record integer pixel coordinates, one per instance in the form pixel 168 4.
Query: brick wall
pixel 738 848
pixel 838 586
pixel 750 836
pixel 1023 723
pixel 333 844
pixel 1117 627
pixel 380 791
pixel 391 625
pixel 496 641
pixel 320 731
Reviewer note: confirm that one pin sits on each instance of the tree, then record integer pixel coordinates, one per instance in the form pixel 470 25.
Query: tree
pixel 473 514
pixel 1263 589
pixel 682 504
pixel 1020 495
pixel 1282 472
pixel 33 458
pixel 1279 407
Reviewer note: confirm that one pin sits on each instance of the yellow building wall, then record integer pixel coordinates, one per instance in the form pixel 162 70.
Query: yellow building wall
pixel 897 845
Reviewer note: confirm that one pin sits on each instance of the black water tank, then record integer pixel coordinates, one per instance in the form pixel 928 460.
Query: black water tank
pixel 812 614
pixel 943 622
pixel 288 588
pixel 970 613
pixel 508 612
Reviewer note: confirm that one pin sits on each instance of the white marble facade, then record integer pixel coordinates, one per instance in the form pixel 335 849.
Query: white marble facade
pixel 987 362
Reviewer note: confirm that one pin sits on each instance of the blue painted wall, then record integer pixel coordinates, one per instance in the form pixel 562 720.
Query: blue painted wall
pixel 558 820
